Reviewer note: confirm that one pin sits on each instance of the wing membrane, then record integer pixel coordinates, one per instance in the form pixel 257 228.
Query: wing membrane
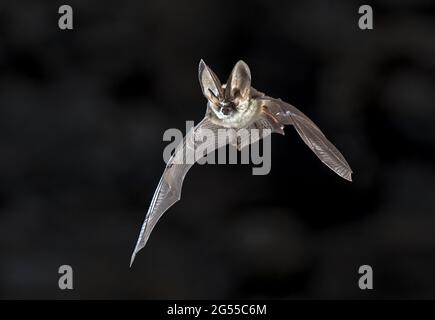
pixel 168 191
pixel 310 134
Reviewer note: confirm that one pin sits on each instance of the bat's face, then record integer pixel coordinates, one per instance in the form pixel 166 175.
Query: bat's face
pixel 229 102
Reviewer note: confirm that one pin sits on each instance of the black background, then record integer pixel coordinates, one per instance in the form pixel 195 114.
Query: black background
pixel 83 112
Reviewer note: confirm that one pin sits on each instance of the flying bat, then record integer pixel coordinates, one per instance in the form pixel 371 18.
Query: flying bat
pixel 235 105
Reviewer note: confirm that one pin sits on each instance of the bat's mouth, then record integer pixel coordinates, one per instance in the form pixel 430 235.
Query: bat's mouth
pixel 226 108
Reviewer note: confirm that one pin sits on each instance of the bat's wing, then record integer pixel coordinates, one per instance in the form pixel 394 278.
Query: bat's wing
pixel 168 190
pixel 285 113
pixel 265 126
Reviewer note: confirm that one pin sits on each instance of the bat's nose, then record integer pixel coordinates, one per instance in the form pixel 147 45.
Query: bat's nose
pixel 227 107
pixel 226 110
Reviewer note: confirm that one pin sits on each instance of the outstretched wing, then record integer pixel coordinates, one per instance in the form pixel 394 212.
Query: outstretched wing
pixel 287 114
pixel 265 126
pixel 168 190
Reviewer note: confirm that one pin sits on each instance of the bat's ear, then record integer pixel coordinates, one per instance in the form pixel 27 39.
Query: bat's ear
pixel 239 82
pixel 210 84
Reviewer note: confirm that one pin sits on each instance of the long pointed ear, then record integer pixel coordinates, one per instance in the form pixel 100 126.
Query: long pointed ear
pixel 210 84
pixel 239 82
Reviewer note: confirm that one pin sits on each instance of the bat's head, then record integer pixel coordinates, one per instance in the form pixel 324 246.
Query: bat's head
pixel 225 100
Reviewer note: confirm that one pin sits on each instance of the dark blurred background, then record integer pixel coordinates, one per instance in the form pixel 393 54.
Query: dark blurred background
pixel 83 112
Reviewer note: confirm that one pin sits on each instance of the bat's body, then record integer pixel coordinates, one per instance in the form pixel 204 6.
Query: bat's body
pixel 239 106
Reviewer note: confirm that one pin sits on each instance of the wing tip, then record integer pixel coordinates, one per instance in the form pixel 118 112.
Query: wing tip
pixel 133 256
pixel 347 175
pixel 136 250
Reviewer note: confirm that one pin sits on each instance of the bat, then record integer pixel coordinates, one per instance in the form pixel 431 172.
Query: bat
pixel 236 105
